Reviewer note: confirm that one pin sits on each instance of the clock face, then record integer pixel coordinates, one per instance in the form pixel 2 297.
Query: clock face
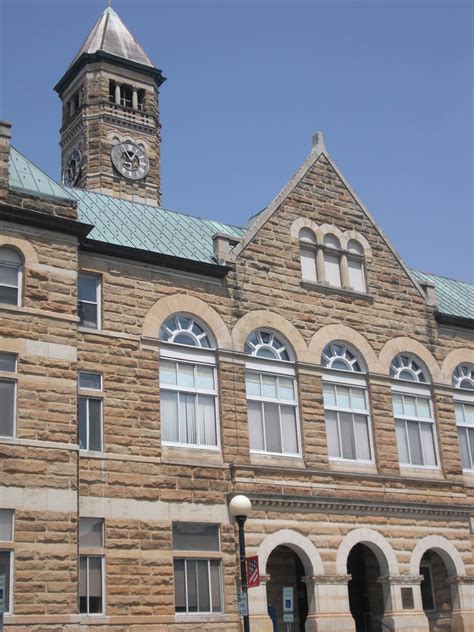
pixel 72 168
pixel 130 160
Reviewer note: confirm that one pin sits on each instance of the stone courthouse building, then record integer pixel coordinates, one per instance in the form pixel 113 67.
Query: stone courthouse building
pixel 154 364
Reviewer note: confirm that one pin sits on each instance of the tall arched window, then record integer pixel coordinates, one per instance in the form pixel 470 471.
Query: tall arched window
pixel 188 384
pixel 308 254
pixel 271 395
pixel 332 260
pixel 346 405
pixel 463 382
pixel 413 412
pixel 11 269
pixel 355 266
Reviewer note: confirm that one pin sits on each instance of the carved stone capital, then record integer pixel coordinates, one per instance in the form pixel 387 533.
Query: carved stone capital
pixel 401 580
pixel 460 579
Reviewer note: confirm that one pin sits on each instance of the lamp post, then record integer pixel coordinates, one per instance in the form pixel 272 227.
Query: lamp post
pixel 240 507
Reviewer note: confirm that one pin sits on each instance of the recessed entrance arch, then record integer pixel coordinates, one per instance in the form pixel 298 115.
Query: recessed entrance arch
pixel 286 569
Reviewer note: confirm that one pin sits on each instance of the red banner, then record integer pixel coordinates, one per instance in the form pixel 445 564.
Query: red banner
pixel 253 575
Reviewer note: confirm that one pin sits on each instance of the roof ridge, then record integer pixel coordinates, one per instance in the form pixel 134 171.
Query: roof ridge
pixel 443 276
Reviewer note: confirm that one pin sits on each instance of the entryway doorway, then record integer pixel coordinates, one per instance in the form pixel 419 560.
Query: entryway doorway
pixel 366 598
pixel 286 569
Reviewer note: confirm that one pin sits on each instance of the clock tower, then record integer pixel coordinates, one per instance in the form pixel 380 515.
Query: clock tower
pixel 110 134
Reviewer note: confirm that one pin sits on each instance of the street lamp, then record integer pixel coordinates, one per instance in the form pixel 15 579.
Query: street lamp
pixel 240 507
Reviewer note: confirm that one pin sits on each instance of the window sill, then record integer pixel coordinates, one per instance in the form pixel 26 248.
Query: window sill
pixel 345 465
pixel 279 460
pixel 421 471
pixel 341 291
pixel 201 618
pixel 191 456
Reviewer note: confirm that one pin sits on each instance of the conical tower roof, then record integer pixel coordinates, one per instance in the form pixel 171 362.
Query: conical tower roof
pixel 111 36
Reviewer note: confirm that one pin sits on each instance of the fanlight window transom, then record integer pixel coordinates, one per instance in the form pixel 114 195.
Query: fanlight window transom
pixel 339 356
pixel 185 330
pixel 266 344
pixel 405 367
pixel 463 376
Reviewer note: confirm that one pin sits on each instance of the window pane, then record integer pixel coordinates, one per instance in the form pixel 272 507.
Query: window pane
pixel 9 275
pixel 410 407
pixel 272 427
pixel 286 389
pixel 423 407
pixel 269 388
pixel 343 397
pixel 193 536
pixel 415 443
pixel 459 413
pixel 402 444
pixel 185 339
pixel 8 362
pixel 332 270
pixel 90 380
pixel 8 295
pixel 83 584
pixel 6 525
pixel 207 419
pixel 356 274
pixel 464 445
pixel 168 372
pixel 83 423
pixel 91 532
pixel 87 288
pixel 397 405
pixel 469 414
pixel 179 586
pixel 308 264
pixel 362 437
pixel 252 382
pixel 470 434
pixel 255 426
pixel 95 424
pixel 7 408
pixel 87 315
pixel 95 584
pixel 347 436
pixel 216 585
pixel 187 418
pixel 191 572
pixel 358 399
pixel 288 429
pixel 5 564
pixel 204 604
pixel 205 377
pixel 169 416
pixel 332 433
pixel 329 395
pixel 428 443
pixel 186 375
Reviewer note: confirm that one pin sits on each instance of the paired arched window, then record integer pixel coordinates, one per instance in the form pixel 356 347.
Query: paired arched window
pixel 329 264
pixel 413 412
pixel 463 382
pixel 11 272
pixel 346 405
pixel 271 395
pixel 188 384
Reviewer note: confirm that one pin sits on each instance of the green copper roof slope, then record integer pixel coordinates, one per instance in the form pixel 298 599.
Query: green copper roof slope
pixel 455 298
pixel 27 177
pixel 134 225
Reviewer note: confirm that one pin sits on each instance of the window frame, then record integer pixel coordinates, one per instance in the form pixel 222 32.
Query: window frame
pixel 463 397
pixel 19 267
pixel 7 546
pixel 12 377
pixel 430 570
pixel 98 303
pixel 87 557
pixel 88 397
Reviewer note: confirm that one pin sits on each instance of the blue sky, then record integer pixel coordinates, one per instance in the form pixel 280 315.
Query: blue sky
pixel 250 81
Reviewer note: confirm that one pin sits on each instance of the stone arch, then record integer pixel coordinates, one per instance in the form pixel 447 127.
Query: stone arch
pixel 451 361
pixel 324 229
pixel 262 318
pixel 445 549
pixel 353 234
pixel 342 333
pixel 298 543
pixel 375 542
pixel 189 305
pixel 22 246
pixel 302 222
pixel 408 345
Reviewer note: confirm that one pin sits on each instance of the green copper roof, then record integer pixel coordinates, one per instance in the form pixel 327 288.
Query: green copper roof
pixel 27 177
pixel 150 228
pixel 455 298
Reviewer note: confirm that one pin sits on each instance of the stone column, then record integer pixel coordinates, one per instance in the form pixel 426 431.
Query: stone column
pixel 117 94
pixel 462 596
pixel 135 99
pixel 320 274
pixel 344 272
pixel 400 616
pixel 259 619
pixel 329 604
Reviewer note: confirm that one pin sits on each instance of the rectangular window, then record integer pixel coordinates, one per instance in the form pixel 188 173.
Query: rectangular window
pixel 427 592
pixel 414 425
pixel 272 413
pixel 308 264
pixel 6 525
pixel 7 395
pixel 332 269
pixel 188 396
pixel 465 423
pixel 91 574
pixel 90 423
pixel 10 282
pixel 7 362
pixel 89 300
pixel 356 274
pixel 347 422
pixel 6 557
pixel 91 532
pixel 197 581
pixel 91 381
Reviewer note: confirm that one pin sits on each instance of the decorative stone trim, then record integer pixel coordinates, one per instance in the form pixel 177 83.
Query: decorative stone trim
pixel 403 580
pixel 299 543
pixel 302 222
pixel 445 549
pixel 451 361
pixel 24 247
pixel 456 579
pixel 342 333
pixel 325 288
pixel 408 345
pixel 326 579
pixel 378 544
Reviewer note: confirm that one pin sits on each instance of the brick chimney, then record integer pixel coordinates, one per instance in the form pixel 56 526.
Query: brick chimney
pixel 5 136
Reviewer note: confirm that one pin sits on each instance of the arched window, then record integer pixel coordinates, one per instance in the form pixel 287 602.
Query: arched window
pixel 271 395
pixel 413 412
pixel 188 384
pixel 355 265
pixel 11 268
pixel 332 260
pixel 308 254
pixel 346 406
pixel 463 381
